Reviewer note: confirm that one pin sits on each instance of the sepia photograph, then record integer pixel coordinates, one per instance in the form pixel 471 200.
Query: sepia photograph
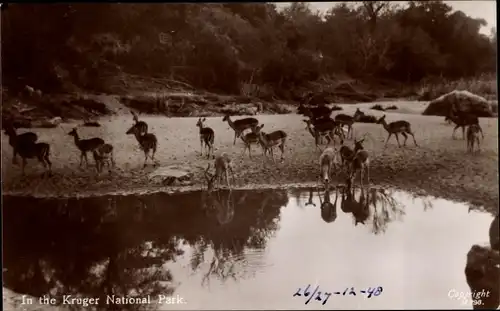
pixel 250 156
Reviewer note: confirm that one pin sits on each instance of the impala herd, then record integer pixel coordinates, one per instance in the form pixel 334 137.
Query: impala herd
pixel 318 123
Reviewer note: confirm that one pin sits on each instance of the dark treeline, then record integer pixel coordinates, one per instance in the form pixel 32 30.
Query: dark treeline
pixel 231 48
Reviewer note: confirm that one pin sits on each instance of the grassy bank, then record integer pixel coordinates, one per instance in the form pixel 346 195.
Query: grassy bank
pixel 485 86
pixel 439 166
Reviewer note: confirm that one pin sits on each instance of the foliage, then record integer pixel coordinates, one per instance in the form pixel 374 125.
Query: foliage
pixel 484 85
pixel 239 48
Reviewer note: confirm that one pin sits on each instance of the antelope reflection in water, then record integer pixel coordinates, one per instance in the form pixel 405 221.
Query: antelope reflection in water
pixel 310 201
pixel 219 204
pixel 376 206
pixel 329 210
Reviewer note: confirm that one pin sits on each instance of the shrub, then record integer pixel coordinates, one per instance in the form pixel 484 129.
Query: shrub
pixel 336 108
pixel 391 108
pixel 485 85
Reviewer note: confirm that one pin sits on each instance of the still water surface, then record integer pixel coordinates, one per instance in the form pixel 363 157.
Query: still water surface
pixel 243 249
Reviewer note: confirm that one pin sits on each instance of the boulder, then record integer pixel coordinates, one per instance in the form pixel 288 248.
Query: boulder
pixel 482 273
pixel 249 111
pixel 494 235
pixel 463 101
pixel 171 175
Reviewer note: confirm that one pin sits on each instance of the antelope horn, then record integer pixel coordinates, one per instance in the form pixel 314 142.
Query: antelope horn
pixel 135 117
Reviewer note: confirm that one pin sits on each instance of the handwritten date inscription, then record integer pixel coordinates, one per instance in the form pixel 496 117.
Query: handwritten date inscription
pixel 322 296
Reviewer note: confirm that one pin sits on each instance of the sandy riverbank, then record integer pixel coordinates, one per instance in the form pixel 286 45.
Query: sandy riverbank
pixel 439 166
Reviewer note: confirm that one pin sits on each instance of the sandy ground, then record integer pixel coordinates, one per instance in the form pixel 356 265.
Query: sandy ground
pixel 439 166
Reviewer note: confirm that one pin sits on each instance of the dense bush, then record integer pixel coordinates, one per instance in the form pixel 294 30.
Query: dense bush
pixel 239 48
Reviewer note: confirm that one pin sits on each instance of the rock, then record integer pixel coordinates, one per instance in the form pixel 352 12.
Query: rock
pixel 30 90
pixel 463 101
pixel 51 123
pixel 494 235
pixel 55 120
pixel 171 175
pixel 482 272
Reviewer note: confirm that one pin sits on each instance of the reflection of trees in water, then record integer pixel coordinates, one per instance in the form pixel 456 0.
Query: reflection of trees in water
pixel 117 245
pixel 385 209
pixel 374 206
pixel 427 201
pixel 81 248
pixel 255 222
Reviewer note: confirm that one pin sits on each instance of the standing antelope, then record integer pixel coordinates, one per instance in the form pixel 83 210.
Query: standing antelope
pixel 344 119
pixel 346 154
pixel 327 164
pixel 29 150
pixel 147 141
pixel 462 121
pixel 207 136
pixel 250 139
pixel 396 127
pixel 321 130
pixel 240 125
pixel 329 210
pixel 141 125
pixel 473 137
pixel 360 162
pixel 314 112
pixel 85 145
pixel 268 141
pixel 21 139
pixel 103 153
